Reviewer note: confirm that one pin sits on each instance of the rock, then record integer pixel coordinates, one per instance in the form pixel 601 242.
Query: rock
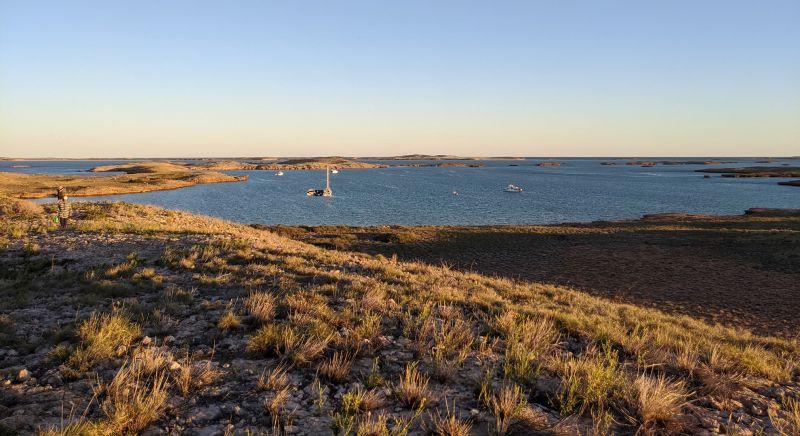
pixel 208 431
pixel 23 375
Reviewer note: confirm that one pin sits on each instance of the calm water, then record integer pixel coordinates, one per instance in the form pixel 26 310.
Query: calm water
pixel 580 190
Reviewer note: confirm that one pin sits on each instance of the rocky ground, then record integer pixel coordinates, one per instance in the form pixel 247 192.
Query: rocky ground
pixel 141 320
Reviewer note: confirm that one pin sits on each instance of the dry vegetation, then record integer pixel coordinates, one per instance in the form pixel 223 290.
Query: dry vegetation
pixel 741 271
pixel 137 178
pixel 146 320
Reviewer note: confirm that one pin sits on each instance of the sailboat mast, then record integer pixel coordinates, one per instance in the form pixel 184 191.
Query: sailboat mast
pixel 328 177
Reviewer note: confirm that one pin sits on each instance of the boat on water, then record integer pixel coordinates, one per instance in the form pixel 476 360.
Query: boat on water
pixel 279 173
pixel 513 188
pixel 322 192
pixel 334 171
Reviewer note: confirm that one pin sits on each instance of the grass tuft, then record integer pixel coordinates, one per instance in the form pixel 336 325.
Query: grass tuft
pixel 337 367
pixel 412 389
pixel 655 402
pixel 103 336
pixel 261 306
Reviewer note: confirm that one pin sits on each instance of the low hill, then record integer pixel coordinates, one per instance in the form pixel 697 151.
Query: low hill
pixel 142 168
pixel 155 321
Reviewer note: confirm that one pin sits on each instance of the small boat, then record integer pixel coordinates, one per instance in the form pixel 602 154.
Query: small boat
pixel 334 171
pixel 279 173
pixel 513 188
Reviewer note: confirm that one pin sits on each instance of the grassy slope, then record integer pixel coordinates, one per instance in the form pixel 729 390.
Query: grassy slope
pixel 487 343
pixel 737 270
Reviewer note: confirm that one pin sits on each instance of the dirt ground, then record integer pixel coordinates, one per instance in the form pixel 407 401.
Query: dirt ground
pixel 741 271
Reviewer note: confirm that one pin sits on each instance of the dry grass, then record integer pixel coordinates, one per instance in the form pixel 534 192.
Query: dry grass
pixel 412 388
pixel 355 403
pixel 528 344
pixel 449 424
pixel 25 209
pixel 103 336
pixel 789 423
pixel 261 306
pixel 152 360
pixel 133 402
pixel 130 403
pixel 193 375
pixel 590 382
pixel 656 402
pixel 229 320
pixel 274 379
pixel 361 400
pixel 288 342
pixel 275 404
pixel 337 367
pixel 506 405
pixel 377 425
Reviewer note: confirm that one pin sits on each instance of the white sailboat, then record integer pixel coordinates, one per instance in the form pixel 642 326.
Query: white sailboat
pixel 322 192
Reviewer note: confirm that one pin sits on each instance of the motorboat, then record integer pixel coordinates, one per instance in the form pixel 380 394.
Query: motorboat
pixel 279 173
pixel 513 188
pixel 334 171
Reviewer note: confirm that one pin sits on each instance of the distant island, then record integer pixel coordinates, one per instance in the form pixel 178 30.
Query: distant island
pixel 650 163
pixel 440 157
pixel 754 171
pixel 442 165
pixel 316 163
pixel 549 163
pixel 758 172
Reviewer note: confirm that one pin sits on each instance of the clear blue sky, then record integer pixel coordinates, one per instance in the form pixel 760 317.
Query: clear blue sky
pixel 243 78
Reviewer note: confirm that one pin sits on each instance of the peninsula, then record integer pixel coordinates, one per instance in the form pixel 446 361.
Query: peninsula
pixel 134 178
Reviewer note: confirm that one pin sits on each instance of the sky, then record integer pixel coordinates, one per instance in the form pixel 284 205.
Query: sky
pixel 185 78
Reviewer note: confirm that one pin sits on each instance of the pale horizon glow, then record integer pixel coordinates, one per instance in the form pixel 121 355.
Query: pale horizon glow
pixel 99 79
